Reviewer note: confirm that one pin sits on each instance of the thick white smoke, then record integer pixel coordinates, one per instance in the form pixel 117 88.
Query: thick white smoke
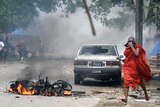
pixel 64 36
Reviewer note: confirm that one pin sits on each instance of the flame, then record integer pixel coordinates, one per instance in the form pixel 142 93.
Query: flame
pixel 48 93
pixel 29 89
pixel 24 91
pixel 11 90
pixel 67 93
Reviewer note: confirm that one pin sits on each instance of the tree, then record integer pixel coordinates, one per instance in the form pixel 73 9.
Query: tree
pixel 101 8
pixel 20 13
pixel 154 13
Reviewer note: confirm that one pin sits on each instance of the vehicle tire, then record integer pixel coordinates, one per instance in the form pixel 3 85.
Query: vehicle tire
pixel 118 80
pixel 77 78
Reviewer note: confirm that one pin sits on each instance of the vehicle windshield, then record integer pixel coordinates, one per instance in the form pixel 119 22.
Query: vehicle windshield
pixel 97 50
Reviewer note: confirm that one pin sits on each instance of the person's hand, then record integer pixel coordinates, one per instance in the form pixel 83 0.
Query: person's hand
pixel 130 44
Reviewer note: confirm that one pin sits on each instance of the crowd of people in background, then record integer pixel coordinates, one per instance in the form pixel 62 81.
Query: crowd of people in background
pixel 7 47
pixel 19 50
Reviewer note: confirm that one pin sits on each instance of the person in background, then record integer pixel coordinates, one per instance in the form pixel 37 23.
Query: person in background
pixel 1 49
pixel 41 49
pixel 135 68
pixel 1 45
pixel 12 46
pixel 6 47
pixel 22 50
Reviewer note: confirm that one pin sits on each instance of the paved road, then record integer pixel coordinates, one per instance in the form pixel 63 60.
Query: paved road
pixel 98 94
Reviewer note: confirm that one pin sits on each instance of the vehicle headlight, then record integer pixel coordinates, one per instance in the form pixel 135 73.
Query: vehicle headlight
pixel 80 62
pixel 113 63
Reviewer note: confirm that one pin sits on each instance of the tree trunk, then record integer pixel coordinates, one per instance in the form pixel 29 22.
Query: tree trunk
pixel 89 17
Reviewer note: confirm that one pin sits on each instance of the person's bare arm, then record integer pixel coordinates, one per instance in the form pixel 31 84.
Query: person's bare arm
pixel 135 50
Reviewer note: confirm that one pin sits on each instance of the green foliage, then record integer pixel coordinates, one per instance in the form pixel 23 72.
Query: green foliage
pixel 16 13
pixel 102 8
pixel 154 13
pixel 20 13
pixel 123 20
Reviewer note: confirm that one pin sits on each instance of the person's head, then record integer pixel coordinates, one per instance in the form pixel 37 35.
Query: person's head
pixel 130 39
pixel 1 45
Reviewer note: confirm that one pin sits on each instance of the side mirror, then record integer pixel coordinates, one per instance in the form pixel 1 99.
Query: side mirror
pixel 121 56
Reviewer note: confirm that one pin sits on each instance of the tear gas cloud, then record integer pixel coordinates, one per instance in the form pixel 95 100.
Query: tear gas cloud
pixel 64 36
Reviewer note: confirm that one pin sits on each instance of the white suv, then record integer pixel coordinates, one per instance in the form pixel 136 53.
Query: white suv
pixel 98 61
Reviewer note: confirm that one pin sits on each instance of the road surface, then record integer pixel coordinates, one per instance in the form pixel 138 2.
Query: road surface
pixel 98 94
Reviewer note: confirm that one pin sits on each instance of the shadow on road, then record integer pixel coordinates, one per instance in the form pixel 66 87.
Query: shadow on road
pixel 100 83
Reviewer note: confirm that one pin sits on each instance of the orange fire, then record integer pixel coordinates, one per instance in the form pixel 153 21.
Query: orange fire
pixel 11 90
pixel 47 93
pixel 24 91
pixel 31 88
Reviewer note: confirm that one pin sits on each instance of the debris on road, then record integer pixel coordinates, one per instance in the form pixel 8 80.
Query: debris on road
pixel 17 96
pixel 157 102
pixel 78 93
pixel 44 88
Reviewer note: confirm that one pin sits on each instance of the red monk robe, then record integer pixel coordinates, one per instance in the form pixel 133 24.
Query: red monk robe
pixel 135 68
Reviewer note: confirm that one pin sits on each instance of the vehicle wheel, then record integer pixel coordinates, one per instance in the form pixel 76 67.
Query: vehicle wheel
pixel 118 80
pixel 77 78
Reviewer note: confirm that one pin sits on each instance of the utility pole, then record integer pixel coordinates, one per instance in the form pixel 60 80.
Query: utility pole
pixel 139 21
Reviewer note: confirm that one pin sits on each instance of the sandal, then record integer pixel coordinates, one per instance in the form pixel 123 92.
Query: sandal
pixel 147 98
pixel 124 102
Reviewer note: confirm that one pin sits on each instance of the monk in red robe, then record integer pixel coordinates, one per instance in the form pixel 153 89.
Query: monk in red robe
pixel 136 68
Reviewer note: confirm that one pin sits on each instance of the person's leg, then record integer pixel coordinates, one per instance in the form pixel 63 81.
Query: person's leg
pixel 145 91
pixel 22 59
pixel 5 56
pixel 126 90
